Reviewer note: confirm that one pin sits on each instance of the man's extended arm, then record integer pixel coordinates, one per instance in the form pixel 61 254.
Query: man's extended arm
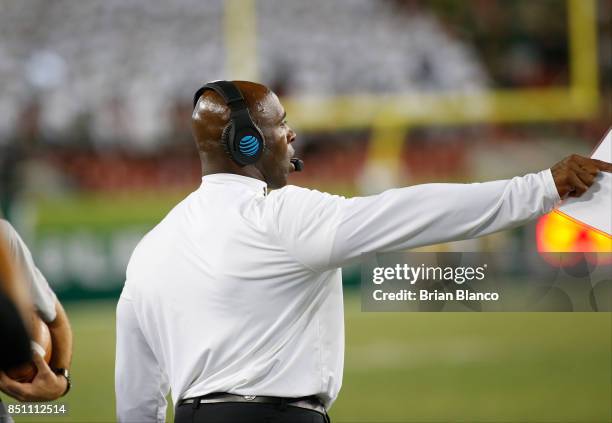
pixel 433 213
pixel 324 231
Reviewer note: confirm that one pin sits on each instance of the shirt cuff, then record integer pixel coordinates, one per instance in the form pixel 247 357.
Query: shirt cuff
pixel 552 195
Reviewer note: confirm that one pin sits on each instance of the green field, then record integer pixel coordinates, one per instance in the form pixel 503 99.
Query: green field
pixel 416 367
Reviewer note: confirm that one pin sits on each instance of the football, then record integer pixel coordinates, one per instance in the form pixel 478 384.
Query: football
pixel 41 344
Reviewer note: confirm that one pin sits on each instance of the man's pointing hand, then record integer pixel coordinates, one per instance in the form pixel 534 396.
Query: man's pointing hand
pixel 575 174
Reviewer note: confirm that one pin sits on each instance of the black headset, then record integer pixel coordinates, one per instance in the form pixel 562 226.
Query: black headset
pixel 241 138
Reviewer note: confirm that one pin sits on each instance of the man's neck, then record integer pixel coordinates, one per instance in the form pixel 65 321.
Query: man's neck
pixel 248 171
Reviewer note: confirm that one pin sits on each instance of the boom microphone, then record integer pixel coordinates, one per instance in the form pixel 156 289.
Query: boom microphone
pixel 297 164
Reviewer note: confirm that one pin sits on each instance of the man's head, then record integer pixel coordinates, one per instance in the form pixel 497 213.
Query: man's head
pixel 210 117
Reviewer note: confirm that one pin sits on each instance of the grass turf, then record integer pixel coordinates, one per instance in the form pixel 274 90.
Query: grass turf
pixel 415 367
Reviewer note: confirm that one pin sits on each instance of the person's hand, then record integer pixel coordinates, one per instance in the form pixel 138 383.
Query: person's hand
pixel 46 386
pixel 575 174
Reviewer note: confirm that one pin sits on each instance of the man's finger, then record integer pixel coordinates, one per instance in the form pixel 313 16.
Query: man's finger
pixel 604 166
pixel 40 363
pixel 587 162
pixel 585 166
pixel 584 174
pixel 13 388
pixel 9 383
pixel 13 394
pixel 3 386
pixel 579 186
pixel 5 381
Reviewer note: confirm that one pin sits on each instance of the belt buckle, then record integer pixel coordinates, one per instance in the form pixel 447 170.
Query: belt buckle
pixel 249 397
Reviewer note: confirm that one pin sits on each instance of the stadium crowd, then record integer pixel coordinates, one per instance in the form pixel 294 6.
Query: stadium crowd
pixel 96 95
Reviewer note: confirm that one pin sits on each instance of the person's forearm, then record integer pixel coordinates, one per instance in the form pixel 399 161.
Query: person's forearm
pixel 61 337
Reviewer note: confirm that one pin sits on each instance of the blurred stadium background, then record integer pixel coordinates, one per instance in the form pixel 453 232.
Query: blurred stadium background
pixel 95 148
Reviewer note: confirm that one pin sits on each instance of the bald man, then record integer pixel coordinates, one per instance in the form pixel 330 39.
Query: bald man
pixel 234 300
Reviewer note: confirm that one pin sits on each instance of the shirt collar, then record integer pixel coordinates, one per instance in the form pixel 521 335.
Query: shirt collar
pixel 252 184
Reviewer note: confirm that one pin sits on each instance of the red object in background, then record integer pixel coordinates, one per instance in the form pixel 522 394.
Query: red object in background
pixel 122 172
pixel 557 233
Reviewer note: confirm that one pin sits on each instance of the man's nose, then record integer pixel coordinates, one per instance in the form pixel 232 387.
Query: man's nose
pixel 291 136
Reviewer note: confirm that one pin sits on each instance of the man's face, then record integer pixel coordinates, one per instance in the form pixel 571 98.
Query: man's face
pixel 275 164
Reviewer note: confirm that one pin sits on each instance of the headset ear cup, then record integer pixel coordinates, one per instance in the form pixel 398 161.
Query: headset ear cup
pixel 225 138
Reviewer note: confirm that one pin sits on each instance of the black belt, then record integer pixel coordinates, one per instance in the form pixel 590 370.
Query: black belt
pixel 309 403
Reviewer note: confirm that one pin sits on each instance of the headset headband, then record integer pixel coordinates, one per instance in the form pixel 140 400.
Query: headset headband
pixel 227 90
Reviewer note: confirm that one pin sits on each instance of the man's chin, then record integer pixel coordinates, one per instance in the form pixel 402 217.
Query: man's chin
pixel 278 178
pixel 278 181
pixel 276 184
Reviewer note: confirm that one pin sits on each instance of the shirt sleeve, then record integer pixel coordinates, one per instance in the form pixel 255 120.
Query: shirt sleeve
pixel 305 222
pixel 324 231
pixel 427 214
pixel 42 295
pixel 140 385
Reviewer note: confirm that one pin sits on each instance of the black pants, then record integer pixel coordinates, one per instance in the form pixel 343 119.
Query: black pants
pixel 233 412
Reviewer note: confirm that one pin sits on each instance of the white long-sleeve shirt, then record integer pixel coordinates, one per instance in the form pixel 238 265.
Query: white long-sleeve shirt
pixel 238 291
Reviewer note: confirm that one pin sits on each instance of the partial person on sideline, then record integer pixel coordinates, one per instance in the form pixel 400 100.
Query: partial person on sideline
pixel 20 273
